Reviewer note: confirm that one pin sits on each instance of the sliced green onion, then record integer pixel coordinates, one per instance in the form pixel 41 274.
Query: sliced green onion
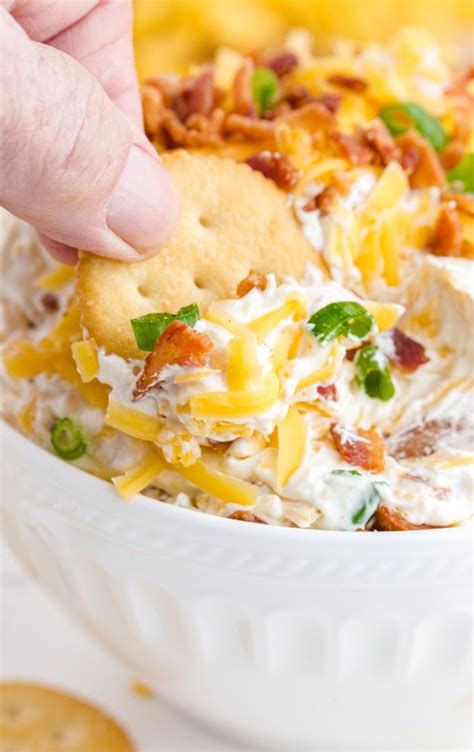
pixel 67 439
pixel 402 116
pixel 369 504
pixel 148 328
pixel 461 177
pixel 265 88
pixel 372 373
pixel 359 495
pixel 347 318
pixel 345 472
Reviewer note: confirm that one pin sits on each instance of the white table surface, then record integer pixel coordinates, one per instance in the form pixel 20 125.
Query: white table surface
pixel 41 643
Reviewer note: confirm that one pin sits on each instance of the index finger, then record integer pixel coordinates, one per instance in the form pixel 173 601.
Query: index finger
pixel 102 42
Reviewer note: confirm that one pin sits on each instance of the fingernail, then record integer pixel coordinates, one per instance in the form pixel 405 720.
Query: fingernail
pixel 143 208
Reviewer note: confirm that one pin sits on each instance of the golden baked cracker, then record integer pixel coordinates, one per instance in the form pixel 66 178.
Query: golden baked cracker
pixel 232 219
pixel 34 718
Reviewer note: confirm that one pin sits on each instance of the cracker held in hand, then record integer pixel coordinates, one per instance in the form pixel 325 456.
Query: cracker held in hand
pixel 36 718
pixel 232 219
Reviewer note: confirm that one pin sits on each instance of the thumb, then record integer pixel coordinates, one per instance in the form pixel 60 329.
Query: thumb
pixel 72 165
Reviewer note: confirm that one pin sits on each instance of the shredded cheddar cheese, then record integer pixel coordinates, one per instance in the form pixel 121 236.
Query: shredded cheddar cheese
pixel 219 316
pixel 57 279
pixel 243 368
pixel 291 445
pixel 295 307
pixel 135 480
pixel 286 347
pixel 391 187
pixel 132 422
pixel 325 373
pixel 385 314
pixel 225 405
pixel 85 358
pixel 228 490
pixel 24 359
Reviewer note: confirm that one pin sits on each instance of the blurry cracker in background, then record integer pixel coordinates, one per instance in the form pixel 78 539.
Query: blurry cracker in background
pixel 232 219
pixel 36 718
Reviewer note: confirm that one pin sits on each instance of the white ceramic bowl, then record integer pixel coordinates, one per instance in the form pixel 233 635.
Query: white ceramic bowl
pixel 279 637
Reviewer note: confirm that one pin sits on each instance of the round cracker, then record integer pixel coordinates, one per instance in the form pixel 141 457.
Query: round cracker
pixel 36 718
pixel 232 219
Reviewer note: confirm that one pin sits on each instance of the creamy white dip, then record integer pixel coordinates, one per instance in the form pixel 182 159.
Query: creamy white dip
pixel 324 491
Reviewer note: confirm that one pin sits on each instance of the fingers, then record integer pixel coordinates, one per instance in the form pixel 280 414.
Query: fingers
pixel 102 42
pixel 71 163
pixel 62 253
pixel 46 18
pixel 96 34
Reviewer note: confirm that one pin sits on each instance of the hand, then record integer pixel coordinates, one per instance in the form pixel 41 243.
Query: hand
pixel 74 161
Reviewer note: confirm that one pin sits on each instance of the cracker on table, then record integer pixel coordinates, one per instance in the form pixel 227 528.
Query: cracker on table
pixel 232 219
pixel 34 718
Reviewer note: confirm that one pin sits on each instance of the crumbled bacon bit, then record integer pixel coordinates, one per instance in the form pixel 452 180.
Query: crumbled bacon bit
pixel 169 85
pixel 242 89
pixel 352 83
pixel 313 116
pixel 381 140
pixel 463 201
pixel 458 86
pixel 275 166
pixel 448 234
pixel 280 110
pixel 183 112
pixel 201 99
pixel 296 96
pixel 427 172
pixel 176 133
pixel 253 281
pixel 332 102
pixel 353 148
pixel 246 517
pixel 452 154
pixel 404 351
pixel 50 302
pixel 180 104
pixel 323 201
pixel 328 393
pixel 365 449
pixel 178 345
pixel 310 205
pixel 409 159
pixel 390 520
pixel 282 63
pixel 153 106
pixel 248 127
pixel 196 95
pixel 350 354
pixel 421 440
pixel 210 126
